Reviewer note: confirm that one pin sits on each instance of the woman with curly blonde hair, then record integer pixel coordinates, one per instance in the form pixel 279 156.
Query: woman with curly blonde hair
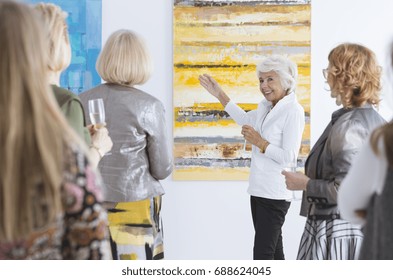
pixel 353 75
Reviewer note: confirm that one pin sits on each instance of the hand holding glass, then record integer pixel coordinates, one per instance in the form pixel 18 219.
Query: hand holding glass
pixel 246 153
pixel 97 112
pixel 291 167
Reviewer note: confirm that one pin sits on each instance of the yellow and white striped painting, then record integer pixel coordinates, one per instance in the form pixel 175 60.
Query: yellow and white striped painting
pixel 226 39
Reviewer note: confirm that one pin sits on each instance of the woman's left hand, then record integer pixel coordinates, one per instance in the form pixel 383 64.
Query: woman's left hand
pixel 295 181
pixel 251 135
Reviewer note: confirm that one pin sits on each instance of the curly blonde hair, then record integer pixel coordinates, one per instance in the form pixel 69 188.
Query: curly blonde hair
pixel 354 75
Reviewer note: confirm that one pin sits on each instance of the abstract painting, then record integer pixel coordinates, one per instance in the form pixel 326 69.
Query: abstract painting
pixel 84 25
pixel 226 39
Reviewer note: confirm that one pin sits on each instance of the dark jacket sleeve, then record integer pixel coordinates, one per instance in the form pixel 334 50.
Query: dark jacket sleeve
pixel 343 144
pixel 74 113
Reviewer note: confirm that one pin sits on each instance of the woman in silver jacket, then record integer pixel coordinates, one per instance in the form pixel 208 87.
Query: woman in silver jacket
pixel 140 156
pixel 354 79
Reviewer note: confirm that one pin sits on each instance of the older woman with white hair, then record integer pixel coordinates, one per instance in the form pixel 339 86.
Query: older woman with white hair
pixel 275 130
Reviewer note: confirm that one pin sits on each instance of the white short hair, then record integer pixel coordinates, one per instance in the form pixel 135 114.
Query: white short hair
pixel 285 68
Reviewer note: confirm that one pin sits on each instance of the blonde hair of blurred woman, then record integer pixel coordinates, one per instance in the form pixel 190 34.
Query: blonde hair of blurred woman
pixel 354 75
pixel 33 131
pixel 385 134
pixel 124 59
pixel 59 44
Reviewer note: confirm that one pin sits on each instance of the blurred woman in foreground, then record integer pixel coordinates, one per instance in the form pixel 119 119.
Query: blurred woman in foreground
pixel 49 194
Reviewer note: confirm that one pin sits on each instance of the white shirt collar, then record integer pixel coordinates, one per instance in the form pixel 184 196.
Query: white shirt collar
pixel 290 97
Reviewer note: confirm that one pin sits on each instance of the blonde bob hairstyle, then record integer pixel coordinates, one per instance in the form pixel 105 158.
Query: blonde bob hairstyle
pixel 284 67
pixel 124 59
pixel 59 44
pixel 354 74
pixel 33 131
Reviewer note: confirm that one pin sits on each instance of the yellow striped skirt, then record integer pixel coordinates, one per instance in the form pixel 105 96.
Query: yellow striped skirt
pixel 136 230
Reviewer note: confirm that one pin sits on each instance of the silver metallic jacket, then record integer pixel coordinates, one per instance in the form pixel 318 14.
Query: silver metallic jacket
pixel 141 155
pixel 331 156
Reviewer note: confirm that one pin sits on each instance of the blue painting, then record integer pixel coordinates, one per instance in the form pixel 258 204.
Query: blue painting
pixel 84 25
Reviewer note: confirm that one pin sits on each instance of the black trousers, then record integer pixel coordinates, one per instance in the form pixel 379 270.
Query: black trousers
pixel 268 216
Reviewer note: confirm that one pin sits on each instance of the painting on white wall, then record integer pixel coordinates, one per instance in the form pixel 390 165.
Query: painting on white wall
pixel 226 39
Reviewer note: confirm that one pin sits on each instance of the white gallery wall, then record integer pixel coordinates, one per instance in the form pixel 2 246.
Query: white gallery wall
pixel 211 220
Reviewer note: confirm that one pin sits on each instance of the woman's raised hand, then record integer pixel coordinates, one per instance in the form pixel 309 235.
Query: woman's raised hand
pixel 210 85
pixel 214 88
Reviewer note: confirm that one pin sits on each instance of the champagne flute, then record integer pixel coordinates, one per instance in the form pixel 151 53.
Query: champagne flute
pixel 291 167
pixel 245 153
pixel 97 112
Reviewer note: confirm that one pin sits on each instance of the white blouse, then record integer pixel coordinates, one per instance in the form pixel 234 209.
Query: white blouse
pixel 365 177
pixel 282 126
